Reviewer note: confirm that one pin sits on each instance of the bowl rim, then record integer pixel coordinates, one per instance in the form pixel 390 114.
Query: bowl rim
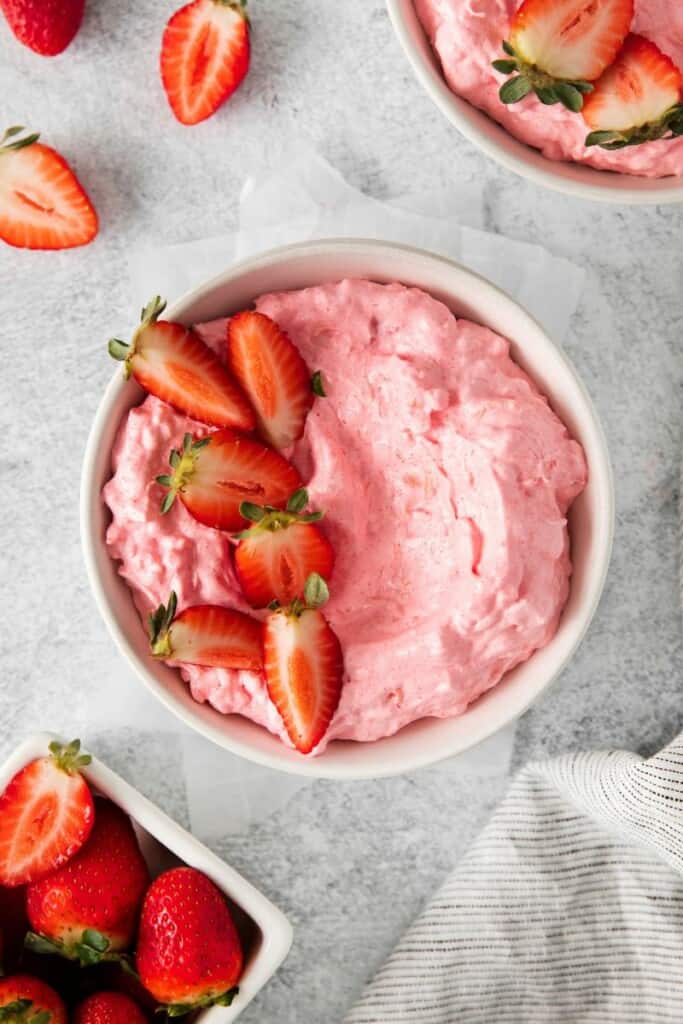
pixel 316 767
pixel 275 929
pixel 568 177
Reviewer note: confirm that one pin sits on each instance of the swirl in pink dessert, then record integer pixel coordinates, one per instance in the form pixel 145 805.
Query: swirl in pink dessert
pixel 445 477
pixel 467 35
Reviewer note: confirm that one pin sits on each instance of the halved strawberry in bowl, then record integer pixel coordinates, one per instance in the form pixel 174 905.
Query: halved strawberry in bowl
pixel 205 54
pixel 275 556
pixel 42 203
pixel 558 48
pixel 638 99
pixel 46 815
pixel 171 362
pixel 213 475
pixel 273 374
pixel 206 634
pixel 304 666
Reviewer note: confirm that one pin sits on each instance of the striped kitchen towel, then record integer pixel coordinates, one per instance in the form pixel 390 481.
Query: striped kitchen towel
pixel 568 908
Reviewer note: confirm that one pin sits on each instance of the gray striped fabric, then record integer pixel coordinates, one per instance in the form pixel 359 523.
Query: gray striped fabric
pixel 568 908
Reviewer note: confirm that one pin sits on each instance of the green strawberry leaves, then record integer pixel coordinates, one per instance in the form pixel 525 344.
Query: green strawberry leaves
pixel 92 949
pixel 528 78
pixel 669 126
pixel 266 517
pixel 182 1009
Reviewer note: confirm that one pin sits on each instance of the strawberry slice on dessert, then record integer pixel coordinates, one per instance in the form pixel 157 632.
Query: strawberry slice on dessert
pixel 274 376
pixel 275 557
pixel 46 815
pixel 304 666
pixel 213 475
pixel 42 203
pixel 204 57
pixel 170 361
pixel 558 48
pixel 206 634
pixel 638 99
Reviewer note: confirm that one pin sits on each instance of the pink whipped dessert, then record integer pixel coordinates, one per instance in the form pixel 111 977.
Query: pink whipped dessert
pixel 445 478
pixel 467 35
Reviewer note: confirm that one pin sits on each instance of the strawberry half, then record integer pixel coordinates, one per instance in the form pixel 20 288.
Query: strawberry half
pixel 206 634
pixel 46 815
pixel 557 48
pixel 108 1008
pixel 45 26
pixel 304 666
pixel 88 910
pixel 204 57
pixel 189 954
pixel 273 375
pixel 213 475
pixel 275 557
pixel 42 202
pixel 638 99
pixel 170 361
pixel 27 1000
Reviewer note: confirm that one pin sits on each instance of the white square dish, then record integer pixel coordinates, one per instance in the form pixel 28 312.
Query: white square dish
pixel 265 932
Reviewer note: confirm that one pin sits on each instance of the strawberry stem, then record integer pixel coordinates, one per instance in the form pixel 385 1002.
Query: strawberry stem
pixel 181 1009
pixel 668 126
pixel 17 1012
pixel 11 133
pixel 183 461
pixel 91 949
pixel 68 757
pixel 160 622
pixel 266 517
pixel 123 352
pixel 531 78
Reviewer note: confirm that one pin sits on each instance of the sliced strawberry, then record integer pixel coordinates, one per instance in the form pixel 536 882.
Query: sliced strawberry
pixel 46 815
pixel 273 374
pixel 213 475
pixel 204 57
pixel 206 634
pixel 275 557
pixel 173 363
pixel 559 47
pixel 638 99
pixel 304 666
pixel 42 203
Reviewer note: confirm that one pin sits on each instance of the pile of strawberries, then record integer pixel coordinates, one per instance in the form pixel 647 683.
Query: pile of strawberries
pixel 229 480
pixel 205 53
pixel 75 886
pixel 584 56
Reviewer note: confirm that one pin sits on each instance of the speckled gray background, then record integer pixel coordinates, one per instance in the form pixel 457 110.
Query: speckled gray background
pixel 350 864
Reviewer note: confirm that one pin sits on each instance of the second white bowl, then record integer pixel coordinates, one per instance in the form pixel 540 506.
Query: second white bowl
pixel 590 521
pixel 571 178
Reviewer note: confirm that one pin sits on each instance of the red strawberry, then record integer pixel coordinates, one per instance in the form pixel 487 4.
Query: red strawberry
pixel 638 99
pixel 46 815
pixel 46 26
pixel 88 910
pixel 304 666
pixel 108 1008
pixel 558 47
pixel 204 57
pixel 173 363
pixel 273 374
pixel 42 203
pixel 189 953
pixel 206 634
pixel 274 558
pixel 26 1000
pixel 213 475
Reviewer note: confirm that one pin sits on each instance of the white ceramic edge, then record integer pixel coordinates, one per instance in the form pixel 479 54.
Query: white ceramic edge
pixel 275 929
pixel 316 767
pixel 598 185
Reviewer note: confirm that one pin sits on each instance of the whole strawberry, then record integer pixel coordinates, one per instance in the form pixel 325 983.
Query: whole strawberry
pixel 26 1000
pixel 108 1008
pixel 189 953
pixel 46 26
pixel 88 909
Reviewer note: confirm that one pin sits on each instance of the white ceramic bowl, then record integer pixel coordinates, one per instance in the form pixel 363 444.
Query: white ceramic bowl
pixel 570 178
pixel 265 932
pixel 591 520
